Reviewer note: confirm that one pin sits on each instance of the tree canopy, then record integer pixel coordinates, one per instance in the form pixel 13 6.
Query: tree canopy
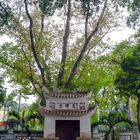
pixel 127 80
pixel 50 52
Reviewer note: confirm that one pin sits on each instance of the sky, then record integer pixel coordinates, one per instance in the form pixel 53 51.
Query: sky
pixel 118 36
pixel 4 39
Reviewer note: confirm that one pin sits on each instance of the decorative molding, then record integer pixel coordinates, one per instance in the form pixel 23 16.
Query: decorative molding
pixel 65 112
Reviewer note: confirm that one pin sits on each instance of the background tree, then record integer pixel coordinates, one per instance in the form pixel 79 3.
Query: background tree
pixel 23 119
pixel 5 15
pixel 2 92
pixel 128 79
pixel 110 121
pixel 104 88
pixel 134 17
pixel 108 66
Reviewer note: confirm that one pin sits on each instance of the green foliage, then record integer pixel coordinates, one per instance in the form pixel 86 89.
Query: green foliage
pixel 5 14
pixel 131 64
pixel 95 74
pixel 134 9
pixel 36 120
pixel 122 3
pixel 49 7
pixel 111 120
pixel 26 119
pixel 2 91
pixel 128 80
pixel 17 64
pixel 6 100
pixel 121 50
pixel 90 6
pixel 18 60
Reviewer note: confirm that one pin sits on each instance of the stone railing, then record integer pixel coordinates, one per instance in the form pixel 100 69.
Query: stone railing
pixel 48 138
pixel 17 135
pixel 121 136
pixel 37 135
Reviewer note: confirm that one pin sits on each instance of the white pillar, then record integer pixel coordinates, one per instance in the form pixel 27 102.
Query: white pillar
pixel 85 126
pixel 49 127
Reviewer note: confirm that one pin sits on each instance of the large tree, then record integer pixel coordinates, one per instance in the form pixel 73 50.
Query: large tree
pixel 54 53
pixel 128 79
pixel 134 17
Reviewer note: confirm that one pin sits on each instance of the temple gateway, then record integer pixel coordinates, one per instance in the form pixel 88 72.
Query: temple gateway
pixel 67 116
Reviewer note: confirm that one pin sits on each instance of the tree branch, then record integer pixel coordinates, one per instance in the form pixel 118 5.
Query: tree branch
pixel 75 67
pixel 89 52
pixel 20 69
pixel 40 35
pixel 42 23
pixel 65 43
pixel 98 40
pixel 41 26
pixel 33 44
pixel 86 20
pixel 30 66
pixel 46 70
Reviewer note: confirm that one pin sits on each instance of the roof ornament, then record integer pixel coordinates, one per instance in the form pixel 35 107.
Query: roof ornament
pixel 89 96
pixel 45 91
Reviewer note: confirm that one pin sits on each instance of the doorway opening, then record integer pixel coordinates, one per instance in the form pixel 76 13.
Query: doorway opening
pixel 67 129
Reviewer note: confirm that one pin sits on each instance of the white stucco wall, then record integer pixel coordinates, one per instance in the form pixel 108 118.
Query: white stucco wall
pixel 70 101
pixel 82 103
pixel 49 125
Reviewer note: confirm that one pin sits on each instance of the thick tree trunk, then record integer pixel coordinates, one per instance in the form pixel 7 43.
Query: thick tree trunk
pixel 32 44
pixel 4 111
pixel 138 114
pixel 19 103
pixel 106 137
pixel 65 44
pixel 85 46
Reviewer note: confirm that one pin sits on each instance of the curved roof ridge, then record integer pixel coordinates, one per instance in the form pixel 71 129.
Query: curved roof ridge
pixel 58 112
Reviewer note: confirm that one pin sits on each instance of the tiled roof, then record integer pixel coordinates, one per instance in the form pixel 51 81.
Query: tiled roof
pixel 45 111
pixel 67 95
